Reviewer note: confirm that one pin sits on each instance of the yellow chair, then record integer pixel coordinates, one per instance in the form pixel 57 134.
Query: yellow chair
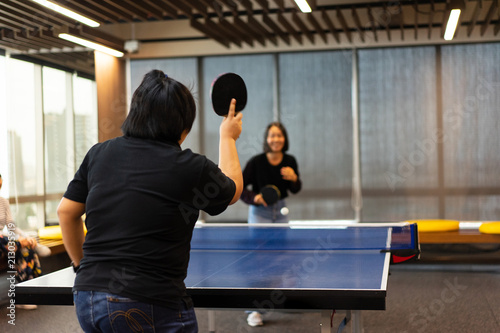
pixel 490 228
pixel 53 232
pixel 436 225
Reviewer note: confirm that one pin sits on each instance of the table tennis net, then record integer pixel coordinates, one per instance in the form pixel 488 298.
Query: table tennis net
pixel 304 238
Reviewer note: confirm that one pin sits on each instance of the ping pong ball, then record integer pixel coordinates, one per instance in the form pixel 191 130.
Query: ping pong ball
pixel 284 211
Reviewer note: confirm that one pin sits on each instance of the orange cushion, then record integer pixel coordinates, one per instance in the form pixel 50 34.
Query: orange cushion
pixel 436 225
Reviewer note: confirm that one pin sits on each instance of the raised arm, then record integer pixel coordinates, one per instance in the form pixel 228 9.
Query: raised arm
pixel 229 162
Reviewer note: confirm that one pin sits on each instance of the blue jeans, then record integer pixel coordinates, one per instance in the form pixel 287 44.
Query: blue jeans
pixel 269 214
pixel 103 312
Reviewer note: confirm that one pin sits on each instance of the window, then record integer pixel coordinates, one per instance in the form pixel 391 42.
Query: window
pixel 43 136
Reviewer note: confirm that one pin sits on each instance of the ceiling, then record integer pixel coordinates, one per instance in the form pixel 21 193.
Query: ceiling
pixel 170 28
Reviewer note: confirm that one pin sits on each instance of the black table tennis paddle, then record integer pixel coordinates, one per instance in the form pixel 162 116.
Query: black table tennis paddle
pixel 226 87
pixel 271 194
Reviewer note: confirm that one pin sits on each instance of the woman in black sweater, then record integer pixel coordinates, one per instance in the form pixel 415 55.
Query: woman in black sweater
pixel 273 167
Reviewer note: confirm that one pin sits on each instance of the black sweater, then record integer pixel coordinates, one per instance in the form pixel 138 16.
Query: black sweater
pixel 259 172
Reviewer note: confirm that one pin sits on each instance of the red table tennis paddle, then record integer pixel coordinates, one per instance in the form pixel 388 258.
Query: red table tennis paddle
pixel 226 87
pixel 271 194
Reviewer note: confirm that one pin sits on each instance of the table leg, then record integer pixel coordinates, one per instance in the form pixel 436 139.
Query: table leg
pixel 352 317
pixel 356 322
pixel 211 321
pixel 326 316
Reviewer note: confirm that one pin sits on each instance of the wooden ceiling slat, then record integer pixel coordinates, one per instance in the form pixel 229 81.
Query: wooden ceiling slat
pixel 85 11
pixel 201 8
pixel 296 19
pixel 65 61
pixel 226 34
pixel 126 7
pixel 280 4
pixel 274 27
pixel 58 19
pixel 489 16
pixel 329 24
pixel 357 22
pixel 473 21
pixel 22 24
pixel 264 4
pixel 181 6
pixel 108 8
pixel 289 28
pixel 11 45
pixel 168 10
pixel 343 24
pixel 10 25
pixel 256 36
pixel 387 22
pixel 49 35
pixel 231 5
pixel 145 10
pixel 215 6
pixel 94 12
pixel 415 6
pixel 203 28
pixel 10 11
pixel 259 28
pixel 99 36
pixel 317 26
pixel 401 21
pixel 247 5
pixel 236 29
pixel 9 36
pixel 56 42
pixel 35 15
pixel 431 20
pixel 372 21
pixel 24 36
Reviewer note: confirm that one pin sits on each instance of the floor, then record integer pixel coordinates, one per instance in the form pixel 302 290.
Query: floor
pixel 447 293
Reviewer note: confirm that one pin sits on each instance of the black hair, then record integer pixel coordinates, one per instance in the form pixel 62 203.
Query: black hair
pixel 161 109
pixel 282 128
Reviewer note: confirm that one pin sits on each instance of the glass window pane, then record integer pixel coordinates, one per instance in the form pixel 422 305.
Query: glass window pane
pixel 398 127
pixel 58 129
pixel 184 70
pixel 315 107
pixel 21 104
pixel 471 99
pixel 23 131
pixel 4 153
pixel 85 108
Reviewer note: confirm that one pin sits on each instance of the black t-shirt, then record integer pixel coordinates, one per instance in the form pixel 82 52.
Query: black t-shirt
pixel 259 172
pixel 142 199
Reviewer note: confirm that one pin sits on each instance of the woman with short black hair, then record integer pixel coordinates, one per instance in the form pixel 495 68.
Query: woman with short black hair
pixel 139 193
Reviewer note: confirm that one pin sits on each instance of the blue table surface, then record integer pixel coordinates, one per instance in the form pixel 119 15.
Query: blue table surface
pixel 333 258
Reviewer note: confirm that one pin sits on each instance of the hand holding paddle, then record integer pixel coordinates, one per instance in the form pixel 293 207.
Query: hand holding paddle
pixel 268 195
pixel 231 124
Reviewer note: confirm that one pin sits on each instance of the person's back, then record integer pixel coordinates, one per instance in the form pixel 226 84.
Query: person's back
pixel 142 194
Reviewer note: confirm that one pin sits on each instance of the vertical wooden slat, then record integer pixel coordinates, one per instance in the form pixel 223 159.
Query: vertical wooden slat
pixel 111 95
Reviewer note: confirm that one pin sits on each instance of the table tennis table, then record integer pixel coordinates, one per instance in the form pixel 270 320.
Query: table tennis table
pixel 303 266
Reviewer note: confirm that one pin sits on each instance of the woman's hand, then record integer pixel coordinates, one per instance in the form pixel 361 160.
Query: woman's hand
pixel 259 200
pixel 231 125
pixel 27 242
pixel 289 174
